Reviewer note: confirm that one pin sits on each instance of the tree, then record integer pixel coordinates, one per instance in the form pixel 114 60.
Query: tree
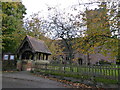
pixel 0 26
pixel 33 26
pixel 99 37
pixel 12 25
pixel 65 26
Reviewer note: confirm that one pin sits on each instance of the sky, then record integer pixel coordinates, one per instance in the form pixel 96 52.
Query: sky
pixel 33 6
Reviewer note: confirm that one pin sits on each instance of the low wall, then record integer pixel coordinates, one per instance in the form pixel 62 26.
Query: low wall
pixel 8 65
pixel 27 65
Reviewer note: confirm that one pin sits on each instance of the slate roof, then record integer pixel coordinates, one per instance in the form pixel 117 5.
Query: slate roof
pixel 38 45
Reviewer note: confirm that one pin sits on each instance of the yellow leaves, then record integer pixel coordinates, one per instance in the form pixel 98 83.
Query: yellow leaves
pixel 75 59
pixel 3 15
pixel 82 50
pixel 95 20
pixel 98 33
pixel 15 5
pixel 97 44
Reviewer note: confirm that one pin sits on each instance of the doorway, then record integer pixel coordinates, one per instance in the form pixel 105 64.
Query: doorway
pixel 27 55
pixel 80 61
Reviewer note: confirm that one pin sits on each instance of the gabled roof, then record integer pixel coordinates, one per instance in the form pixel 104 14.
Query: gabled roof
pixel 37 45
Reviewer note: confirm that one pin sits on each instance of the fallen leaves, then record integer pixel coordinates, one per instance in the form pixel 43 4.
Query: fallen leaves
pixel 9 71
pixel 69 84
pixel 75 85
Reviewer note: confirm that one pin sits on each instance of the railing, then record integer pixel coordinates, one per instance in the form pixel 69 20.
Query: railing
pixel 107 71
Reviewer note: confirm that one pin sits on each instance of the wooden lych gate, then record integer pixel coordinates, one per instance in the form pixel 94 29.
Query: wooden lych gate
pixel 32 49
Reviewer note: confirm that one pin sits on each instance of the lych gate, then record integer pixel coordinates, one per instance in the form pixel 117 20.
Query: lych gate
pixel 33 49
pixel 27 55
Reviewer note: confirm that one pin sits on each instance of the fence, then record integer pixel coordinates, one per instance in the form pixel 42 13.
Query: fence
pixel 8 65
pixel 107 71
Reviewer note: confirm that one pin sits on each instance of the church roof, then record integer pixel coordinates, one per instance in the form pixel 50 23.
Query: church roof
pixel 37 45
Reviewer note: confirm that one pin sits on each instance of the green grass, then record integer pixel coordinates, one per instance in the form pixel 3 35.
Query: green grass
pixel 78 76
pixel 102 71
pixel 84 72
pixel 106 81
pixel 62 74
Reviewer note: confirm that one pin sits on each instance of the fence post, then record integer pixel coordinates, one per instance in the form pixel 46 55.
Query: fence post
pixel 46 67
pixel 118 76
pixel 64 68
pixel 77 69
pixel 71 69
pixel 115 71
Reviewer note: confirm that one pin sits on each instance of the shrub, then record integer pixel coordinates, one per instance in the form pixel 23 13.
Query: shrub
pixel 103 62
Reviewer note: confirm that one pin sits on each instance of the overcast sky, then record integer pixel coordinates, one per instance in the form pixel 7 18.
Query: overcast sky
pixel 33 6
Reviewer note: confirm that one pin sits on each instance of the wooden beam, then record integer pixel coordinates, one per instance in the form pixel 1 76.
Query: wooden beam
pixel 43 56
pixel 39 56
pixel 46 57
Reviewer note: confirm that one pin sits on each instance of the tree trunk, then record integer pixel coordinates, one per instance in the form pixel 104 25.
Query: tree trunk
pixel 70 57
pixel 88 59
pixel 69 47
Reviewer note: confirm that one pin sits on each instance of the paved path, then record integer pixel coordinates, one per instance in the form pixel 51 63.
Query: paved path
pixel 25 79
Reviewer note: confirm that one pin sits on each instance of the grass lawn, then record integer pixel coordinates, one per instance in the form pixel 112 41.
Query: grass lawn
pixel 78 76
pixel 100 70
pixel 105 74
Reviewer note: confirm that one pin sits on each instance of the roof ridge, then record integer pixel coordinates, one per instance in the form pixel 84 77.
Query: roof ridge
pixel 35 38
pixel 35 44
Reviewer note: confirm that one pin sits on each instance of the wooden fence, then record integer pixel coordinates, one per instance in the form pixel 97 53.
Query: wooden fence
pixel 107 71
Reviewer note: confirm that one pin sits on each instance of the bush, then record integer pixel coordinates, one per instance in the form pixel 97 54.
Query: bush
pixel 103 62
pixel 8 65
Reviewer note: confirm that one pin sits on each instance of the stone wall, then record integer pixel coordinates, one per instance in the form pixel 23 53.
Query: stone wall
pixel 27 65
